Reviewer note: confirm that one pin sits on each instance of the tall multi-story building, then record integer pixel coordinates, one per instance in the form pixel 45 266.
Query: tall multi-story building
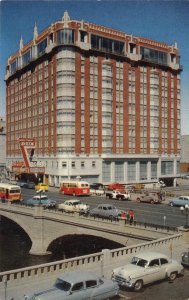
pixel 2 143
pixel 100 103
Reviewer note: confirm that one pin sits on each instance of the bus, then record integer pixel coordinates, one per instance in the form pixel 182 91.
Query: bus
pixel 10 192
pixel 75 188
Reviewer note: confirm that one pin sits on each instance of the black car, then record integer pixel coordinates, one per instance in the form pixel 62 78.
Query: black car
pixel 96 186
pixel 27 185
pixel 185 259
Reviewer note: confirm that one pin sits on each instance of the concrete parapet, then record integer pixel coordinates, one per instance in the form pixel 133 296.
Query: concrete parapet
pixel 102 262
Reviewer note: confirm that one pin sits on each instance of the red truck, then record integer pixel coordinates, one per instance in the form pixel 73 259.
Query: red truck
pixel 116 186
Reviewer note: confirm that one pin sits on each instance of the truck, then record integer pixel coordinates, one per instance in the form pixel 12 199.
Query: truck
pixel 151 197
pixel 124 195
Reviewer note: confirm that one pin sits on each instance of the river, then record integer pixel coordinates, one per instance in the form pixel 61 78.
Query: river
pixel 15 246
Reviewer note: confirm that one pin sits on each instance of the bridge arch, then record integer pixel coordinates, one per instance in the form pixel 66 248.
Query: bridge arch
pixel 18 222
pixel 80 244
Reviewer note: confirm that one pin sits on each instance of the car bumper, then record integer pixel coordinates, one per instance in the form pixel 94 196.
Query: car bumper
pixel 123 282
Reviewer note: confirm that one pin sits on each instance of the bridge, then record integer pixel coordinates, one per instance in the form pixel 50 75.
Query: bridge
pixel 44 226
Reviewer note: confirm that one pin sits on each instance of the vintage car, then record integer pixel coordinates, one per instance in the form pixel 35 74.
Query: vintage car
pixel 73 205
pixel 152 197
pixel 185 259
pixel 26 185
pixel 42 186
pixel 145 268
pixel 106 211
pixel 42 200
pixel 179 201
pixel 123 195
pixel 78 285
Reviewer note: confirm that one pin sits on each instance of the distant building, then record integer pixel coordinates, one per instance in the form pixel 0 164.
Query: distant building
pixel 100 103
pixel 2 142
pixel 184 163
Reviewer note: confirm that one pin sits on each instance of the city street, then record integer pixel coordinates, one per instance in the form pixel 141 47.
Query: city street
pixel 160 214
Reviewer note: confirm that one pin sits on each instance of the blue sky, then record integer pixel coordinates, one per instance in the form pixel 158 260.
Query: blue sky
pixel 164 21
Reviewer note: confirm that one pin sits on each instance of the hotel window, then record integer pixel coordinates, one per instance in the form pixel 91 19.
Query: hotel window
pixel 26 58
pixel 73 164
pixel 143 170
pixel 41 48
pixel 65 36
pixel 154 55
pixel 93 164
pixel 131 166
pixel 13 67
pixel 64 164
pixel 82 164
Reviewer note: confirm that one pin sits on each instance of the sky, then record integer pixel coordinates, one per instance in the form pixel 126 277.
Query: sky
pixel 163 21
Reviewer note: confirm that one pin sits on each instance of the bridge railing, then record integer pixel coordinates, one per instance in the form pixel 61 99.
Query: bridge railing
pixel 24 207
pixel 101 262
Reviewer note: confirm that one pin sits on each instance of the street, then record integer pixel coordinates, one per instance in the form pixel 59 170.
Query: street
pixel 159 214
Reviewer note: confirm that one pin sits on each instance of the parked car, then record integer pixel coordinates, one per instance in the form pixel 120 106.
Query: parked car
pixel 124 195
pixel 179 201
pixel 106 211
pixel 74 205
pixel 27 185
pixel 185 259
pixel 42 186
pixel 151 197
pixel 78 285
pixel 145 268
pixel 40 200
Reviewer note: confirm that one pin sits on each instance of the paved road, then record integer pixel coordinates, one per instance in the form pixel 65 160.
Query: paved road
pixel 164 290
pixel 160 214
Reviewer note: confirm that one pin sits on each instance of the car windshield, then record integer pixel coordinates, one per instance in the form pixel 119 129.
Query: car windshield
pixel 76 203
pixel 139 262
pixel 62 285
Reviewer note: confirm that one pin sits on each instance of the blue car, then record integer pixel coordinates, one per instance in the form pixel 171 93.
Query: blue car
pixel 78 285
pixel 42 200
pixel 179 201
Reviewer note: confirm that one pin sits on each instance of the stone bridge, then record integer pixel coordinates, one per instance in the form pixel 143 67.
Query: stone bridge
pixel 44 226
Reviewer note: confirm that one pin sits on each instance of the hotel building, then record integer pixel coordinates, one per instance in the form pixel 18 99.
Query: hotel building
pixel 100 103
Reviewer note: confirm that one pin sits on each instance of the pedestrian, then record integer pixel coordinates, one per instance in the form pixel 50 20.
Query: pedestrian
pixel 131 216
pixel 123 215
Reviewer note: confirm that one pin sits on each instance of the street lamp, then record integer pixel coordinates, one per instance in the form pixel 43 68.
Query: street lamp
pixel 40 192
pixel 185 211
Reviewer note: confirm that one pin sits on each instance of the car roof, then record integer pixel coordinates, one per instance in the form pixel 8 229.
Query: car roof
pixel 72 201
pixel 76 276
pixel 40 197
pixel 148 255
pixel 106 205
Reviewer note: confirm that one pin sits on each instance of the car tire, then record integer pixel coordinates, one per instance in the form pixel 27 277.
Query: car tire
pixel 152 201
pixel 138 285
pixel 173 276
pixel 74 194
pixel 171 204
pixel 138 199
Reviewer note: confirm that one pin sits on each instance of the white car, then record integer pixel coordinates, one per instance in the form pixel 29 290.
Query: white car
pixel 97 192
pixel 145 268
pixel 73 206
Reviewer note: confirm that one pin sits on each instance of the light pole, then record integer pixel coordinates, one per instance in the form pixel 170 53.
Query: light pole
pixel 40 192
pixel 185 211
